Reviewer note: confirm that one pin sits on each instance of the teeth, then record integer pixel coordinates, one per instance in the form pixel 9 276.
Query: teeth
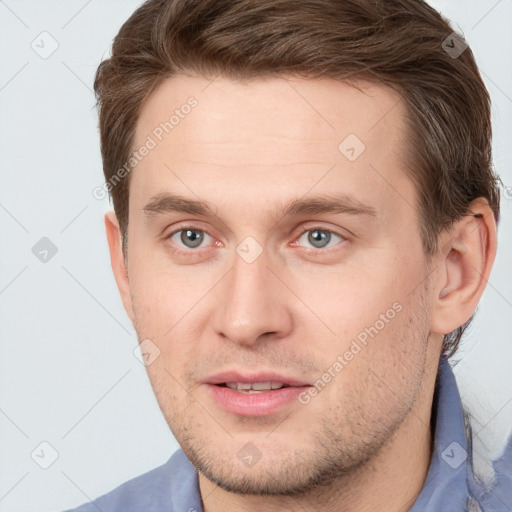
pixel 260 386
pixel 254 387
pixel 239 386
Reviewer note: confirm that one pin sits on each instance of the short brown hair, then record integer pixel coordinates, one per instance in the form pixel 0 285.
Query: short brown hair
pixel 398 43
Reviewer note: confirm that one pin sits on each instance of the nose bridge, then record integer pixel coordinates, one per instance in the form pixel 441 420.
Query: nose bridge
pixel 252 301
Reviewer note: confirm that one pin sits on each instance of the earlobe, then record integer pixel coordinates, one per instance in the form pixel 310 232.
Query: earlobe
pixel 117 261
pixel 465 260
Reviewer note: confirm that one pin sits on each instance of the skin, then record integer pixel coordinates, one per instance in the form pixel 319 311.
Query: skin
pixel 247 150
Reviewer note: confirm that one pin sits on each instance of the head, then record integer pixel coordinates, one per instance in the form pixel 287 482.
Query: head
pixel 303 189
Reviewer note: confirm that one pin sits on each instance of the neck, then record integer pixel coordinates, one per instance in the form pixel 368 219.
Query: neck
pixel 390 481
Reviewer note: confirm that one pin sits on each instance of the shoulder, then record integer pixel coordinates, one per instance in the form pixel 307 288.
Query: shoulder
pixel 164 489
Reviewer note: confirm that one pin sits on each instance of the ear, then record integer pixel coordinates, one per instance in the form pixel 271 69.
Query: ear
pixel 118 262
pixel 466 255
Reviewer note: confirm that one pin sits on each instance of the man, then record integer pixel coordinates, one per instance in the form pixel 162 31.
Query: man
pixel 305 221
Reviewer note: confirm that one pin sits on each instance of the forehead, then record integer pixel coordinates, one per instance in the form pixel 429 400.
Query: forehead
pixel 283 132
pixel 275 107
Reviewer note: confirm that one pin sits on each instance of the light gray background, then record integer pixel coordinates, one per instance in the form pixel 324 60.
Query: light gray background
pixel 69 376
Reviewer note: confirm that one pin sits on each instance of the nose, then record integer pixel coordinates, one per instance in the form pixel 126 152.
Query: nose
pixel 252 303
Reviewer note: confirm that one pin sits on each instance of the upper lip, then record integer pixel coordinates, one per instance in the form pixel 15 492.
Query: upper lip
pixel 251 378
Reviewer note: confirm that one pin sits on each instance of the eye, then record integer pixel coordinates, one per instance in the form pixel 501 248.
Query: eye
pixel 190 237
pixel 320 238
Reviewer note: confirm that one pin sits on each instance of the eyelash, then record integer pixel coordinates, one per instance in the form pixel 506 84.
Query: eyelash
pixel 297 237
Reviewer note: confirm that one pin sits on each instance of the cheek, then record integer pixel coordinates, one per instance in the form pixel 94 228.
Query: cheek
pixel 165 305
pixel 168 390
pixel 164 295
pixel 382 365
pixel 380 323
pixel 354 296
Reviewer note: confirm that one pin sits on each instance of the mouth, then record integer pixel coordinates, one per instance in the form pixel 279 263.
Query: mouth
pixel 254 387
pixel 254 395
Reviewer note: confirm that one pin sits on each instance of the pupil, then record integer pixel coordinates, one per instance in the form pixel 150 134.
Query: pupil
pixel 317 238
pixel 191 238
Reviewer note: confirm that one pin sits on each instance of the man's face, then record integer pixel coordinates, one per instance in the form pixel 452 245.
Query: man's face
pixel 258 292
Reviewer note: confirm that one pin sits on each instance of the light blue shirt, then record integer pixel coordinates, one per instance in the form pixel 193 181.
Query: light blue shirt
pixel 450 485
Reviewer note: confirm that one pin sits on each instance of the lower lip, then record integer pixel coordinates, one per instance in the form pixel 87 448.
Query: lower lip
pixel 254 404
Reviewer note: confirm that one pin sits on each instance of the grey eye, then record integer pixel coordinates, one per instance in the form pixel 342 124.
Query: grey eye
pixel 321 238
pixel 191 238
pixel 318 238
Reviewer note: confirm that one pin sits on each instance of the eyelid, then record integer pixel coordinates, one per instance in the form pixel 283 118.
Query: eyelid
pixel 184 225
pixel 311 226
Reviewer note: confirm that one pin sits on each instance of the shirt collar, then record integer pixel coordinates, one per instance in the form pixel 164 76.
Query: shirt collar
pixel 446 487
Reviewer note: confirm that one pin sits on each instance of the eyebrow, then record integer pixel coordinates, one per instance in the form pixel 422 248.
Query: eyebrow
pixel 349 205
